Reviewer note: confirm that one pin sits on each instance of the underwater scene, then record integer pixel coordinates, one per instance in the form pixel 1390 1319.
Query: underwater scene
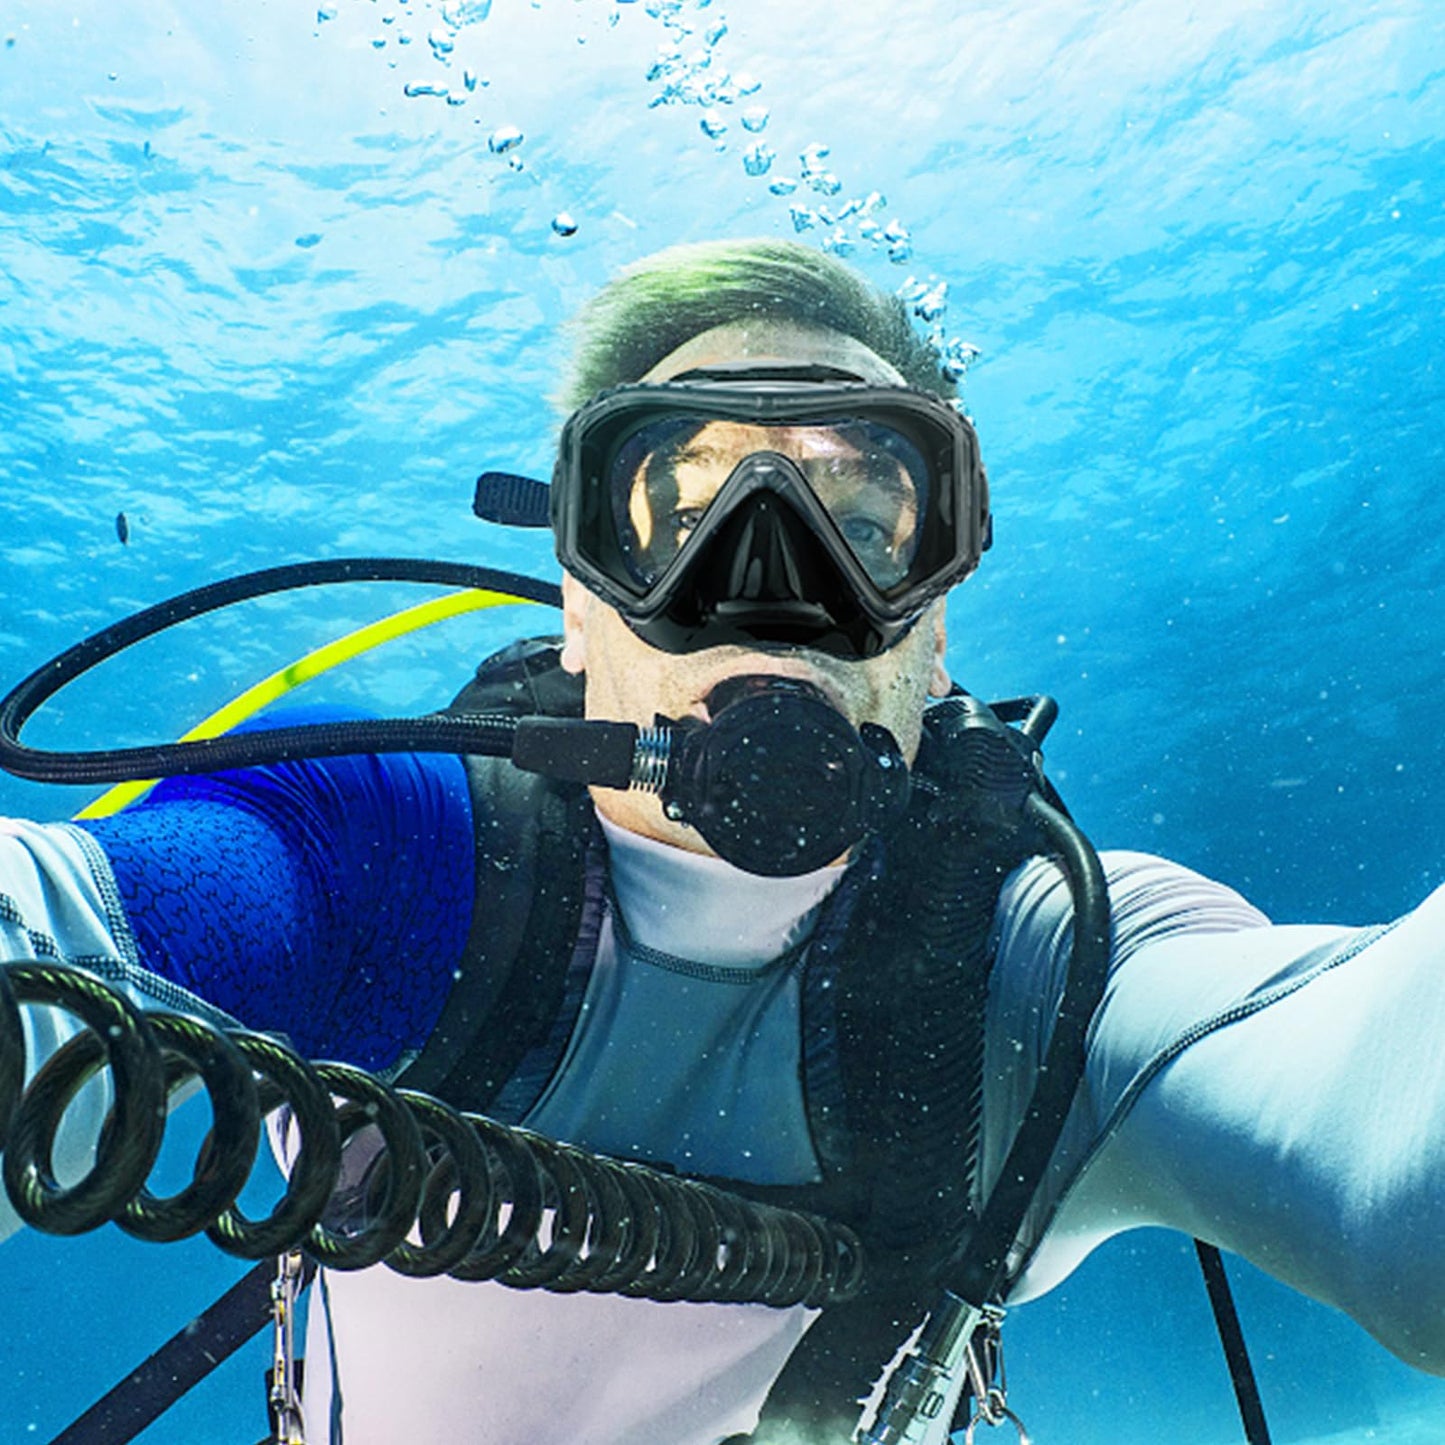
pixel 279 279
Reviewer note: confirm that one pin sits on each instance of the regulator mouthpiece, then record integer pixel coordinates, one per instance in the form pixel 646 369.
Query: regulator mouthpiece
pixel 779 783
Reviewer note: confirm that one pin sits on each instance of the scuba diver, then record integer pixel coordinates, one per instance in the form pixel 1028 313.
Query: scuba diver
pixel 833 984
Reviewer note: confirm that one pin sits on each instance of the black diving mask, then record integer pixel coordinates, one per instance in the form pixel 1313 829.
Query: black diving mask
pixel 793 506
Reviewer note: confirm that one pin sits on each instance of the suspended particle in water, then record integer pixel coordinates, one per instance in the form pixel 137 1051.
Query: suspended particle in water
pixel 310 239
pixel 755 118
pixel 122 526
pixel 758 159
pixel 504 139
pixel 712 125
pixel 564 224
pixel 414 88
pixel 804 217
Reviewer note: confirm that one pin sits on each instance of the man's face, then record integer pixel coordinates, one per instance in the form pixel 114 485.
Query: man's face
pixel 628 680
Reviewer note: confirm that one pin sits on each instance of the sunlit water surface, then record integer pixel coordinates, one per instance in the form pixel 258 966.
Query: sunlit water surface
pixel 277 282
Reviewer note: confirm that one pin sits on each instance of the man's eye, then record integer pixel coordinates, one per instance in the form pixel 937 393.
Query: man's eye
pixel 866 534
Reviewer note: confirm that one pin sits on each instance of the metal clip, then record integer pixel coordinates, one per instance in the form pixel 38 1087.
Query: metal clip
pixel 285 1397
pixel 983 1363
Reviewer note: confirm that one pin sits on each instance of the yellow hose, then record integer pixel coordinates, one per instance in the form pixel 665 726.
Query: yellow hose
pixel 265 692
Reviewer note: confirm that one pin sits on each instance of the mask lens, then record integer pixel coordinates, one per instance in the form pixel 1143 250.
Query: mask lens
pixel 870 477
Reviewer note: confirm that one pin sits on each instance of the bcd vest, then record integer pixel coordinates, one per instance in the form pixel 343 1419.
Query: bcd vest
pixel 892 1000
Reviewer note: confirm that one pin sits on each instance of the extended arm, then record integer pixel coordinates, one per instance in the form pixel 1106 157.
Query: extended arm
pixel 1279 1091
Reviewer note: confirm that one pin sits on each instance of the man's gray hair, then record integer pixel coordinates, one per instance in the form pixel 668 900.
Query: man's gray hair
pixel 666 299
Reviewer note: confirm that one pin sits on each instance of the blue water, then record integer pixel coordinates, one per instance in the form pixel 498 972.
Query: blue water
pixel 261 300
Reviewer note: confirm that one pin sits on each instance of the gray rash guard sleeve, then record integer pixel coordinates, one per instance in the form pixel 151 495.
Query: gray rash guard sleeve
pixel 1276 1090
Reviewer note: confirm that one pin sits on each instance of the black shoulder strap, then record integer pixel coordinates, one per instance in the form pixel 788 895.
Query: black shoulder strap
pixel 531 840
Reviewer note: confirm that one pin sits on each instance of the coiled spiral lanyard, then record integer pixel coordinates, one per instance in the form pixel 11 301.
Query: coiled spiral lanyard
pixel 487 1201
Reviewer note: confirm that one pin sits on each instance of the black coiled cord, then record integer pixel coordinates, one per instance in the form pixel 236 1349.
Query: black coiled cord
pixel 485 1200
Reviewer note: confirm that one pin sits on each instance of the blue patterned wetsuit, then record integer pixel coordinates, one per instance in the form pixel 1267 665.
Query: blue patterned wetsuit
pixel 326 899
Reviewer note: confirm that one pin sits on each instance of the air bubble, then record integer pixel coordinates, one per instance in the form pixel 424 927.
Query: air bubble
pixel 899 241
pixel 379 43
pixel 755 118
pixel 469 79
pixel 783 186
pixel 838 242
pixel 716 32
pixel 504 139
pixel 747 84
pixel 442 41
pixel 414 88
pixel 564 224
pixel 325 13
pixel 458 13
pixel 516 163
pixel 712 125
pixel 811 158
pixel 825 183
pixel 804 217
pixel 957 356
pixel 758 159
pixel 933 303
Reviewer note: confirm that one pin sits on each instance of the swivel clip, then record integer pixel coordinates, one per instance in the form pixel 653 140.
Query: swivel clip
pixel 983 1365
pixel 285 1394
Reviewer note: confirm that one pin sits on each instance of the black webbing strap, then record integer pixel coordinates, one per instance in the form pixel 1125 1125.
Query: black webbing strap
pixel 207 1341
pixel 1226 1319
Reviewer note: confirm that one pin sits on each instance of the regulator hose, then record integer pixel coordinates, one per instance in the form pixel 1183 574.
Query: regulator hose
pixel 385 1175
pixel 425 734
